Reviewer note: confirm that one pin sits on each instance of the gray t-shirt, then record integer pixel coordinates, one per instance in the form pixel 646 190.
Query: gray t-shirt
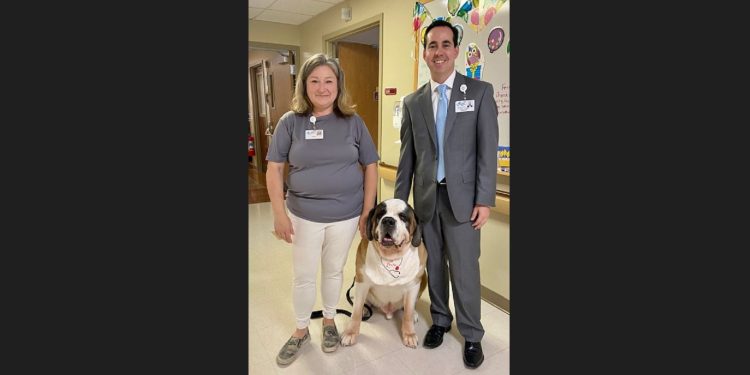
pixel 325 181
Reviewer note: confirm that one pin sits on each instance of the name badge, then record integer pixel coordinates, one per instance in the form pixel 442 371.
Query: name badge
pixel 464 106
pixel 314 134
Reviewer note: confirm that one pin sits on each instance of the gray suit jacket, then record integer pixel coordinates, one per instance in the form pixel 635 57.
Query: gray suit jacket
pixel 471 140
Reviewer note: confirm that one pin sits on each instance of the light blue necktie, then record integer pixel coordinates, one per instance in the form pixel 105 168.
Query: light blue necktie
pixel 442 111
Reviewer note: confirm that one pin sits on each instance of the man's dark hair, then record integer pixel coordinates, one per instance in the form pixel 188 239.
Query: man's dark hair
pixel 437 23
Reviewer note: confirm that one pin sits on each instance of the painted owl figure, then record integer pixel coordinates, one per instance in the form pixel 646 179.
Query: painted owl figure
pixel 473 61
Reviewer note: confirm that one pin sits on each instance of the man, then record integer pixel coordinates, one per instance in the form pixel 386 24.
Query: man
pixel 449 149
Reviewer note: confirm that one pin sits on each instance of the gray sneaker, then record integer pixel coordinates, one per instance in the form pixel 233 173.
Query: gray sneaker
pixel 331 339
pixel 291 349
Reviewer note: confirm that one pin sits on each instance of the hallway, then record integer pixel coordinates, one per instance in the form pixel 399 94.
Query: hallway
pixel 378 350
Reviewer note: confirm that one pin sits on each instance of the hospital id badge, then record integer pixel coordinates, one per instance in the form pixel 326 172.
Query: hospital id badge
pixel 314 134
pixel 464 106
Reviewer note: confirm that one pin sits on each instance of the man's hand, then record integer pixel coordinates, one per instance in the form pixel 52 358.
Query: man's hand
pixel 479 216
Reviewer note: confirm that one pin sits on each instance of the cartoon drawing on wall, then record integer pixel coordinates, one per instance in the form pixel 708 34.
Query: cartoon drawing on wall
pixel 473 61
pixel 420 13
pixel 495 40
pixel 463 10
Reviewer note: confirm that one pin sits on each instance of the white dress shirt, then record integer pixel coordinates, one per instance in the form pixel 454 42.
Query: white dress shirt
pixel 436 95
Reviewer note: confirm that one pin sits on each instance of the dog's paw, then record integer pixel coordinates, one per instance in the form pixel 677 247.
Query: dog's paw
pixel 410 340
pixel 348 338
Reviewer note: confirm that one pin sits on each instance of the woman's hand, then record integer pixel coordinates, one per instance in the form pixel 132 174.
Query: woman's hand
pixel 282 227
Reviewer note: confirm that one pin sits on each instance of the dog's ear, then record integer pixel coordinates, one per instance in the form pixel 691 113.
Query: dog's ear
pixel 416 232
pixel 370 228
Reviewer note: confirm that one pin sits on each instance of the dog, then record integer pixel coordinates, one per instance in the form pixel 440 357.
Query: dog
pixel 390 268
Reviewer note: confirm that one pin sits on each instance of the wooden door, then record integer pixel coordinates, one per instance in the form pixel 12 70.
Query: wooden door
pixel 360 65
pixel 280 95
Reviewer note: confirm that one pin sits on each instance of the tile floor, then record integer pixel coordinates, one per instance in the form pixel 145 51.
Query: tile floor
pixel 378 350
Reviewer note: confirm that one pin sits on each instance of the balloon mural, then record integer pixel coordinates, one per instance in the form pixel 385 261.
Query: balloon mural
pixel 476 13
pixel 495 39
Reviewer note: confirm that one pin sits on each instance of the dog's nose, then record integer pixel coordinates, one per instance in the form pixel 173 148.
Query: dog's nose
pixel 389 221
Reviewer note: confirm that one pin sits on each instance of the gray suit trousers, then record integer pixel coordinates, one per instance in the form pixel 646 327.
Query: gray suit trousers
pixel 453 251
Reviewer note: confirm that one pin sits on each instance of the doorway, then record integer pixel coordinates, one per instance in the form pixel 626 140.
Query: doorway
pixel 358 51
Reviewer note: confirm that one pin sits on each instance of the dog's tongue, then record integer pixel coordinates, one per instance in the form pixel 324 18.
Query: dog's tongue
pixel 387 241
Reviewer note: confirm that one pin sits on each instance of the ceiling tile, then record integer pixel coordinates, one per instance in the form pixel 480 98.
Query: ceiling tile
pixel 309 7
pixel 254 12
pixel 282 17
pixel 259 3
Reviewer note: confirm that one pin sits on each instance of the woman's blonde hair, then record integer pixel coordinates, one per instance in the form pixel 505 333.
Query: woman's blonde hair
pixel 301 103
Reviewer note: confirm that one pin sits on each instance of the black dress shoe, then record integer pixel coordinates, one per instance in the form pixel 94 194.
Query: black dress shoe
pixel 434 336
pixel 473 356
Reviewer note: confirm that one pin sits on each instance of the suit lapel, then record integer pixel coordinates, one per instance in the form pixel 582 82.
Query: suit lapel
pixel 456 94
pixel 425 102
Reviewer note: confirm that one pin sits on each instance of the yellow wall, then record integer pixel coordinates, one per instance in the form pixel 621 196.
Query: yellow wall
pixel 274 33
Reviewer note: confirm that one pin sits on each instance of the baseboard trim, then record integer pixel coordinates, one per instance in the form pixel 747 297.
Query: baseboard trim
pixel 495 299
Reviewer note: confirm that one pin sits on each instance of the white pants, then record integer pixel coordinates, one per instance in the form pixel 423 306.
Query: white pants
pixel 326 244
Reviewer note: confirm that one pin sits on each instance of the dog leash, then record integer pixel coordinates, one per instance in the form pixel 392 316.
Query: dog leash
pixel 365 315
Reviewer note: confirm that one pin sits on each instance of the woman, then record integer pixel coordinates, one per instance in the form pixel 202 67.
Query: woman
pixel 326 145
